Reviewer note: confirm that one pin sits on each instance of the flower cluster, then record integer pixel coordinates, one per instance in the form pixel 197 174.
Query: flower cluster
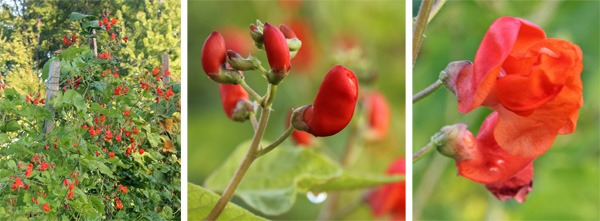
pixel 533 85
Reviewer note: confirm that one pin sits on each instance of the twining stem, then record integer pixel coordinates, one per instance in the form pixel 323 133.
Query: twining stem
pixel 427 91
pixel 252 93
pixel 276 143
pixel 423 152
pixel 419 28
pixel 251 155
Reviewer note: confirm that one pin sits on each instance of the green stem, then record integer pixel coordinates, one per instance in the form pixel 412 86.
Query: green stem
pixel 251 155
pixel 250 91
pixel 427 91
pixel 423 152
pixel 435 9
pixel 419 29
pixel 276 143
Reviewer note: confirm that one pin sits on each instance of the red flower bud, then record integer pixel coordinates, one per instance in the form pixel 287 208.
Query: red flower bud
pixel 378 114
pixel 214 54
pixel 334 105
pixel 46 207
pixel 230 96
pixel 287 32
pixel 278 53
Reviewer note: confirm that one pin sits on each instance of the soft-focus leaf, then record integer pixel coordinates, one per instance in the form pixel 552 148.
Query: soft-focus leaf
pixel 202 201
pixel 273 181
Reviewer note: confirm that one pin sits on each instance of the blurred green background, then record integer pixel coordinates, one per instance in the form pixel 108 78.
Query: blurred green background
pixel 567 177
pixel 376 28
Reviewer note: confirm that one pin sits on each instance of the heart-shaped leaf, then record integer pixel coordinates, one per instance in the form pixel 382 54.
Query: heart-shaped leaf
pixel 202 201
pixel 273 181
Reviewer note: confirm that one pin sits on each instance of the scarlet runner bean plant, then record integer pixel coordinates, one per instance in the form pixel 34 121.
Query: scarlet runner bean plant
pixel 533 86
pixel 112 153
pixel 332 110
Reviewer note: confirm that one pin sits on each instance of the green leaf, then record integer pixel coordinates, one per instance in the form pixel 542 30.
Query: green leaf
pixel 78 16
pixel 273 181
pixel 105 170
pixel 99 85
pixel 4 138
pixel 202 201
pixel 11 126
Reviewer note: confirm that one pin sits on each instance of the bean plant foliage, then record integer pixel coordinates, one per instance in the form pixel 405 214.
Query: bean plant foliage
pixel 114 152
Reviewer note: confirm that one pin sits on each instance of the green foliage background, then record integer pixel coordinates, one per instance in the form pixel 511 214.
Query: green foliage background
pixel 30 31
pixel 567 177
pixel 212 136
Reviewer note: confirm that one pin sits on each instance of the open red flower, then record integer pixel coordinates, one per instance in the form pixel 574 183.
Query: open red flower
pixel 529 80
pixel 46 207
pixel 390 198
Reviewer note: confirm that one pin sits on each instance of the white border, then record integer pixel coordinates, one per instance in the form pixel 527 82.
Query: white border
pixel 184 108
pixel 408 111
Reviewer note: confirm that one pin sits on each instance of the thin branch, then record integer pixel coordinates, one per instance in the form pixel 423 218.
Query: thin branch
pixel 420 25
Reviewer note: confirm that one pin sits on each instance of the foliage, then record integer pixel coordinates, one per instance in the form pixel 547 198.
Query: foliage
pixel 115 149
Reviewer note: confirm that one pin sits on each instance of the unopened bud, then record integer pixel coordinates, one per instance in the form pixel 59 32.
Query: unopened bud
pixel 454 141
pixel 243 109
pixel 450 74
pixel 257 34
pixel 239 63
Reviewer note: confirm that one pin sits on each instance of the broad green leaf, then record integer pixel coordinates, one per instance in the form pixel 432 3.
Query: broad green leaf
pixel 273 181
pixel 78 16
pixel 10 126
pixel 202 201
pixel 105 170
pixel 99 85
pixel 4 138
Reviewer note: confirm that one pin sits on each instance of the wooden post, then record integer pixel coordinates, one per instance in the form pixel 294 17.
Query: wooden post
pixel 164 61
pixel 92 43
pixel 52 88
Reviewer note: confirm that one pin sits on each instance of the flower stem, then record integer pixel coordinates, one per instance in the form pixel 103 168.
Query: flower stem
pixel 423 152
pixel 427 91
pixel 276 143
pixel 250 91
pixel 251 155
pixel 419 28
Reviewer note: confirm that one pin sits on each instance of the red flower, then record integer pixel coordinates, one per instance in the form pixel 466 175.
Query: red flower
pixel 214 54
pixel 119 205
pixel 516 187
pixel 231 95
pixel 390 198
pixel 378 114
pixel 529 80
pixel 70 194
pixel 111 154
pixel 278 53
pixel 126 113
pixel 105 20
pixel 141 151
pixel 46 207
pixel 113 21
pixel 125 39
pixel 334 105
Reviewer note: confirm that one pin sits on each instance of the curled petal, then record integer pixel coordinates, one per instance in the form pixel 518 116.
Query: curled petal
pixel 516 187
